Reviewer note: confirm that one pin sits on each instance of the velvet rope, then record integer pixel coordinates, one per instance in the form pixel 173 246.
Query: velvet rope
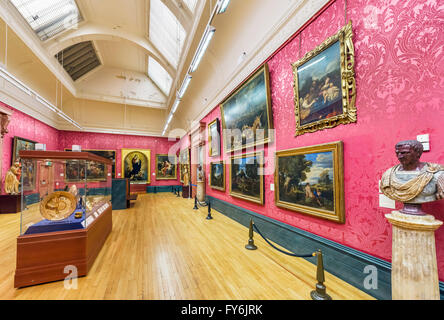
pixel 284 252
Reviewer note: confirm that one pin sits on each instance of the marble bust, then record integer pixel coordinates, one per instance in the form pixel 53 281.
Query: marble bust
pixel 413 182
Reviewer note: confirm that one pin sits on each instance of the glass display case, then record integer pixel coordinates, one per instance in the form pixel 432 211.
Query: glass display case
pixel 70 190
pixel 66 214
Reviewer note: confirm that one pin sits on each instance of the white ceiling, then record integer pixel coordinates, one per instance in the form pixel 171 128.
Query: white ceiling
pixel 120 33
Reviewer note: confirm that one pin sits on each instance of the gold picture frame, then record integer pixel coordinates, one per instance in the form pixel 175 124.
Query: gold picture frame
pixel 184 161
pixel 247 182
pixel 303 183
pixel 215 183
pixel 243 130
pixel 144 156
pixel 324 84
pixel 214 129
pixel 162 176
pixel 104 154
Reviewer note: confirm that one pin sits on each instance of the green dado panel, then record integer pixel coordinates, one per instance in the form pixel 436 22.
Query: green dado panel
pixel 348 264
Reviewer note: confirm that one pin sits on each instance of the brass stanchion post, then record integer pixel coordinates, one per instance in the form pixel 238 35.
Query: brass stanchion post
pixel 320 292
pixel 250 245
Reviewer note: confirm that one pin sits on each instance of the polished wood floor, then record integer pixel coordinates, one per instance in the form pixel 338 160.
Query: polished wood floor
pixel 162 249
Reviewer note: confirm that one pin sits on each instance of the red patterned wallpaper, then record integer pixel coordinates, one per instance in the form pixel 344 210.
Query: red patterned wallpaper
pixel 399 66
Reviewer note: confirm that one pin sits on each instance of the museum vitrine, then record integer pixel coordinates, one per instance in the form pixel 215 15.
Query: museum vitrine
pixel 66 217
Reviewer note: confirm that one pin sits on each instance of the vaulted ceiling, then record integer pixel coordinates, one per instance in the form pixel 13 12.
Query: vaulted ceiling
pixel 119 63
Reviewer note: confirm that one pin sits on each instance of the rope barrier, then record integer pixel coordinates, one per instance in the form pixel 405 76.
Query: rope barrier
pixel 284 252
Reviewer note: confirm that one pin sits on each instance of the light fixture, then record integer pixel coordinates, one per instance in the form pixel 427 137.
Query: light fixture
pixel 169 118
pixel 203 45
pixel 184 86
pixel 14 81
pixel 223 4
pixel 175 105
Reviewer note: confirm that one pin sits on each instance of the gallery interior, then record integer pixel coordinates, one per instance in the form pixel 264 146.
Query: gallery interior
pixel 221 150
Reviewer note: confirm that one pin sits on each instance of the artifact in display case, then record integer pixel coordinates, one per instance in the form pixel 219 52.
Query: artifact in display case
pixel 65 206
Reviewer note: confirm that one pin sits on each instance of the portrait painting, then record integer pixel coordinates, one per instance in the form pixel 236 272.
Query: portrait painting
pixel 136 165
pixel 324 85
pixel 166 167
pixel 214 138
pixel 246 114
pixel 108 154
pixel 246 177
pixel 28 165
pixel 217 175
pixel 310 180
pixel 184 160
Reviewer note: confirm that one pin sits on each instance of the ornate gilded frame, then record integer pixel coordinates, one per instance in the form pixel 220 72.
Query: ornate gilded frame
pixel 211 152
pixel 348 86
pixel 184 160
pixel 263 69
pixel 146 153
pixel 113 166
pixel 175 167
pixel 260 159
pixel 223 175
pixel 336 215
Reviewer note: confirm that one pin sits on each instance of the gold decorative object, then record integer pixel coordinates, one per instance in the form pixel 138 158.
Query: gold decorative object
pixel 324 84
pixel 12 179
pixel 58 205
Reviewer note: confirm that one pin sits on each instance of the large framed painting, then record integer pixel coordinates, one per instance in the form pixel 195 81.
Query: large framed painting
pixel 136 165
pixel 310 180
pixel 246 114
pixel 217 175
pixel 324 84
pixel 214 138
pixel 75 171
pixel 166 167
pixel 246 177
pixel 184 160
pixel 108 154
pixel 28 165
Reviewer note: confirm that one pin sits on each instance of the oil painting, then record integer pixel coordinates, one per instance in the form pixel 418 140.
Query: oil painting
pixel 166 167
pixel 214 138
pixel 75 171
pixel 136 165
pixel 28 165
pixel 324 85
pixel 217 175
pixel 310 180
pixel 108 154
pixel 246 177
pixel 246 114
pixel 184 159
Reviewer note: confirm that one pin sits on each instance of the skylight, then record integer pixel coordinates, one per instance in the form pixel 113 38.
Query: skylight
pixel 166 32
pixel 191 4
pixel 48 17
pixel 160 76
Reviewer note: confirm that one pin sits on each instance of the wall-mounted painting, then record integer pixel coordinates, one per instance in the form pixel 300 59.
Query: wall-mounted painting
pixel 28 165
pixel 324 84
pixel 214 138
pixel 108 154
pixel 75 171
pixel 217 175
pixel 310 180
pixel 136 165
pixel 246 114
pixel 184 160
pixel 166 167
pixel 246 177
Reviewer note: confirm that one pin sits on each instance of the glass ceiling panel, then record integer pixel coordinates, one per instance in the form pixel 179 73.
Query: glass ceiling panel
pixel 48 17
pixel 166 32
pixel 191 4
pixel 160 76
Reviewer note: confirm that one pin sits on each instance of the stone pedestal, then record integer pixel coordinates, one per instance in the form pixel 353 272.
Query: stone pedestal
pixel 414 266
pixel 201 191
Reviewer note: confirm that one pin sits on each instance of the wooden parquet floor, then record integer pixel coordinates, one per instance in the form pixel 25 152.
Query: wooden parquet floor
pixel 162 249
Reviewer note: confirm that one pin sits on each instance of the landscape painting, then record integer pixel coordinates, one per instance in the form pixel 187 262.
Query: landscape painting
pixel 246 114
pixel 324 85
pixel 217 175
pixel 246 177
pixel 166 167
pixel 310 180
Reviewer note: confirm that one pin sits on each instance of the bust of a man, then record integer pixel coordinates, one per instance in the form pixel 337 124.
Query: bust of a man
pixel 411 181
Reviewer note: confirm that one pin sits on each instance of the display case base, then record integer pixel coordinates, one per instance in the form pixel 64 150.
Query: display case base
pixel 10 203
pixel 51 256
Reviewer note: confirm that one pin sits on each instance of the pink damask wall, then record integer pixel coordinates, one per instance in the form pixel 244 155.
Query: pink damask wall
pixel 26 127
pixel 105 141
pixel 399 67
